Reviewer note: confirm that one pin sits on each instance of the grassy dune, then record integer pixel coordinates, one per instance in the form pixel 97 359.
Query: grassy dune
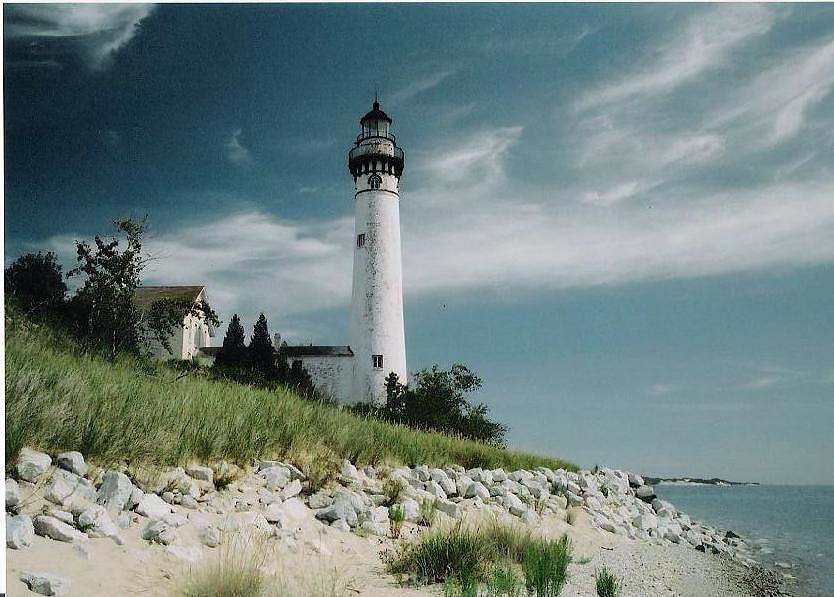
pixel 59 399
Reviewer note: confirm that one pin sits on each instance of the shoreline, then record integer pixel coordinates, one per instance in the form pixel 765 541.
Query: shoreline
pixel 150 532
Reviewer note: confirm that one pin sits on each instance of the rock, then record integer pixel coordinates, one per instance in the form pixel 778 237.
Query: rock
pixel 616 481
pixel 159 531
pixel 434 488
pixel 499 475
pixel 607 525
pixel 514 505
pixel 411 509
pixel 341 508
pixel 115 491
pixel 275 513
pixel 320 499
pixel 189 502
pixel 209 536
pixel 374 528
pixel 645 522
pixel 268 497
pixel 369 472
pixel 123 520
pixel 201 473
pixel 348 470
pixel 168 497
pixel 48 526
pixel 19 531
pixel 295 509
pixel 64 487
pixel 449 508
pixel 276 477
pixel 72 462
pixel 32 464
pixel 45 584
pixel 560 502
pixel 96 522
pixel 645 493
pixel 340 525
pixel 663 508
pixel 151 506
pixel 635 480
pixel 530 518
pixel 291 490
pixel 134 499
pixel 463 483
pixel 61 515
pixel 477 489
pixel 449 486
pixel 12 494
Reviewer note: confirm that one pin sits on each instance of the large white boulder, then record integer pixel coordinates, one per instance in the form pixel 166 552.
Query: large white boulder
pixel 153 507
pixel 340 509
pixel 64 487
pixel 115 491
pixel 159 531
pixel 276 477
pixel 45 584
pixel 635 480
pixel 96 522
pixel 291 490
pixel 19 531
pixel 31 464
pixel 72 462
pixel 449 508
pixel 295 509
pixel 514 504
pixel 645 522
pixel 48 526
pixel 435 489
pixel 12 494
pixel 477 489
pixel 348 470
pixel 201 473
pixel 645 493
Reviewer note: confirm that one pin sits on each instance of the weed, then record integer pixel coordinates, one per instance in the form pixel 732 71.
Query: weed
pixel 455 586
pixel 503 582
pixel 607 584
pixel 392 490
pixel 545 566
pixel 428 512
pixel 396 517
pixel 505 541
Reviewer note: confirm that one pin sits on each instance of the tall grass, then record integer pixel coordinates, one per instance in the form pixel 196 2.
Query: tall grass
pixel 545 566
pixel 234 571
pixel 60 399
pixel 455 553
pixel 607 584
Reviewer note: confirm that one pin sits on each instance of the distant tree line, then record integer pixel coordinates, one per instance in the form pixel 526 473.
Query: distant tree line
pixel 437 401
pixel 102 314
pixel 260 363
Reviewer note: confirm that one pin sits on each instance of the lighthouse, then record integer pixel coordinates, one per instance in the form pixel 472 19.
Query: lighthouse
pixel 377 327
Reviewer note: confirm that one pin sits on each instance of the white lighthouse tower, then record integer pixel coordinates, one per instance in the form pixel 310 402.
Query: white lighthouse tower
pixel 377 328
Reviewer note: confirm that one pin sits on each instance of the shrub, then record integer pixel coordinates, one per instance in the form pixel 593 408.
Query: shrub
pixel 607 584
pixel 545 566
pixel 428 512
pixel 36 284
pixel 396 517
pixel 456 553
pixel 392 489
pixel 503 582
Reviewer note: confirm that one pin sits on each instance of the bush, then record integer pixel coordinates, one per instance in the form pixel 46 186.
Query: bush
pixel 456 553
pixel 36 285
pixel 607 584
pixel 545 566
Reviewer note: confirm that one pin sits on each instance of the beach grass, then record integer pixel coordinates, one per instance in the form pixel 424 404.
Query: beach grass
pixel 607 584
pixel 142 412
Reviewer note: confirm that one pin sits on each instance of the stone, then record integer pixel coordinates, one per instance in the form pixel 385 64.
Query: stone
pixel 369 472
pixel 463 483
pixel 340 525
pixel 530 518
pixel 499 475
pixel 72 462
pixel 19 531
pixel 559 502
pixel 449 486
pixel 320 499
pixel 268 497
pixel 201 473
pixel 635 480
pixel 96 522
pixel 663 508
pixel 61 515
pixel 341 508
pixel 168 497
pixel 434 488
pixel 275 513
pixel 45 584
pixel 153 507
pixel 295 509
pixel 209 535
pixel 616 481
pixel 645 521
pixel 123 520
pixel 291 490
pixel 159 531
pixel 48 526
pixel 115 491
pixel 515 506
pixel 31 464
pixel 64 487
pixel 189 502
pixel 645 493
pixel 134 499
pixel 348 470
pixel 447 507
pixel 374 528
pixel 12 494
pixel 477 489
pixel 276 477
pixel 411 509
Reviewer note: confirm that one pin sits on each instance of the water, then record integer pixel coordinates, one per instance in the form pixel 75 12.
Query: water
pixel 792 525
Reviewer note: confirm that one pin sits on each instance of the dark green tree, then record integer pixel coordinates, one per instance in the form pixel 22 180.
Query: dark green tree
pixel 233 352
pixel 261 351
pixel 35 283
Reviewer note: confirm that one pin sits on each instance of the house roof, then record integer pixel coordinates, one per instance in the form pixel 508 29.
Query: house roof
pixel 318 351
pixel 146 295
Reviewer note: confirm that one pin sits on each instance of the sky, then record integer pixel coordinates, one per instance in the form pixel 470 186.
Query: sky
pixel 620 216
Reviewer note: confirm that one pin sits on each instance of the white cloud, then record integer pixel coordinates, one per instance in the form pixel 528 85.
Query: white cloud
pixel 762 382
pixel 660 389
pixel 234 151
pixel 420 85
pixel 95 32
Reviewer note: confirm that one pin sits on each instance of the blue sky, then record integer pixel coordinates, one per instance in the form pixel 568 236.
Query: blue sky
pixel 621 216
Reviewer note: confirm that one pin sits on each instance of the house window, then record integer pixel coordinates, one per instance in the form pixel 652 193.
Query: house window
pixel 360 240
pixel 377 359
pixel 374 181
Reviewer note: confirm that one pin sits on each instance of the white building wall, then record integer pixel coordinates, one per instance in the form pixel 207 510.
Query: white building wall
pixel 377 325
pixel 331 375
pixel 186 340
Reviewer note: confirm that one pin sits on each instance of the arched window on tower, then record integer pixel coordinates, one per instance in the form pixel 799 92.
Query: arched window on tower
pixel 374 180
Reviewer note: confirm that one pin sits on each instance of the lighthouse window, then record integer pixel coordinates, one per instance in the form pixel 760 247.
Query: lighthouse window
pixel 374 181
pixel 377 359
pixel 360 241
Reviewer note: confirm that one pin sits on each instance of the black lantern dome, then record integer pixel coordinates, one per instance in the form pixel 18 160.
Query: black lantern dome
pixel 375 114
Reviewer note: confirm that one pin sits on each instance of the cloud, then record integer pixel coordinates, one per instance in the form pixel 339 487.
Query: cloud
pixel 93 32
pixel 704 43
pixel 762 382
pixel 660 389
pixel 234 151
pixel 420 85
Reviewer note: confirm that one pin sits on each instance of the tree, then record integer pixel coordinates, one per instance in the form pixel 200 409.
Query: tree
pixel 233 352
pixel 164 315
pixel 261 352
pixel 36 284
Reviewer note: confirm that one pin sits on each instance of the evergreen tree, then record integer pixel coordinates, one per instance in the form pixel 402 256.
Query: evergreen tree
pixel 233 353
pixel 261 352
